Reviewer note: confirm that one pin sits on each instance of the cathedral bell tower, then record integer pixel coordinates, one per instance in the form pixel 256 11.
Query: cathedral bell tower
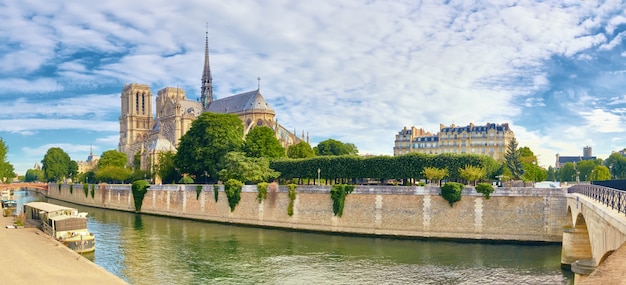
pixel 136 118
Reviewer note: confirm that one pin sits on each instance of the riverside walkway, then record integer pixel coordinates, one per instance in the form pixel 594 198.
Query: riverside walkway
pixel 30 257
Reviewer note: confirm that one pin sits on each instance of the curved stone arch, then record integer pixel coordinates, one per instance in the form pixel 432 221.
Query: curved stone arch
pixel 604 257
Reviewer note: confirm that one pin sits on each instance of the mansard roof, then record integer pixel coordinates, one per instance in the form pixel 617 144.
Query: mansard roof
pixel 247 101
pixel 473 128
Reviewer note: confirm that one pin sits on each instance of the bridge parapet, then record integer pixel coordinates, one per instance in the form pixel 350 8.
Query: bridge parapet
pixel 616 199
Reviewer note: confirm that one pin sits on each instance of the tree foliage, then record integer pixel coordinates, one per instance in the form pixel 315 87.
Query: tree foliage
pixel 261 142
pixel 55 165
pixel 403 167
pixel 600 172
pixel 435 174
pixel 335 147
pixel 485 188
pixel 139 188
pixel 338 194
pixel 472 173
pixel 7 172
pixel 513 159
pixel 300 150
pixel 165 167
pixel 207 142
pixel 113 158
pixel 617 165
pixel 451 191
pixel 113 174
pixel 246 169
pixel 33 175
pixel 232 188
pixel 568 172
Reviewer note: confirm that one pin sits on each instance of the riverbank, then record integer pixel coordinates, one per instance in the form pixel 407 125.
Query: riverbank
pixel 31 257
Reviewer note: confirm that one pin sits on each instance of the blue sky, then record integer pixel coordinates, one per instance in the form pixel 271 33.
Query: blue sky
pixel 356 71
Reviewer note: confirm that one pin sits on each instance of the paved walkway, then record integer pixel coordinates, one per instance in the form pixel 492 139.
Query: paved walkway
pixel 27 256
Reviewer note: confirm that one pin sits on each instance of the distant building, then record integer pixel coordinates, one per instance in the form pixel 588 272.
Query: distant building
pixel 89 164
pixel 561 160
pixel 490 139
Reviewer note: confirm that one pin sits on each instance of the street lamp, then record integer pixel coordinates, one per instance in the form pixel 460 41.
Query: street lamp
pixel 206 177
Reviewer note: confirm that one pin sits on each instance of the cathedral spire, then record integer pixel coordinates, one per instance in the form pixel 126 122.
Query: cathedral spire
pixel 207 80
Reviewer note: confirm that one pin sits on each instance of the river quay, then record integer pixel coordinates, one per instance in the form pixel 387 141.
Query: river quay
pixel 31 257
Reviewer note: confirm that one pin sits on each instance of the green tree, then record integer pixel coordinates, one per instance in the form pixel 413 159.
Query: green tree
pixel 513 160
pixel 617 165
pixel 207 142
pixel 551 174
pixel 434 174
pixel 261 142
pixel 300 150
pixel 113 158
pixel 472 173
pixel 246 169
pixel 599 173
pixel 585 167
pixel 113 174
pixel 137 161
pixel 33 175
pixel 568 172
pixel 335 147
pixel 165 167
pixel 55 165
pixel 7 172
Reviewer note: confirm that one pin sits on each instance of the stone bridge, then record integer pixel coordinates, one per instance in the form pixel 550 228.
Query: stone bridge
pixel 30 185
pixel 596 228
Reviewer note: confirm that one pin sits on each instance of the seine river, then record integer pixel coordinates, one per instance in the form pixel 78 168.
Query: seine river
pixel 144 249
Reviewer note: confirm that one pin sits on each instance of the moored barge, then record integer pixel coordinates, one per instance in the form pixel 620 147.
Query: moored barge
pixel 65 224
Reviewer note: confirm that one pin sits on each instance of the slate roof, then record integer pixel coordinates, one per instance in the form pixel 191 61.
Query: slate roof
pixel 161 144
pixel 247 101
pixel 566 159
pixel 484 128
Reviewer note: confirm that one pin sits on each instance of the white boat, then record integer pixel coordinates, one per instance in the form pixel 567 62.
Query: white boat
pixel 65 224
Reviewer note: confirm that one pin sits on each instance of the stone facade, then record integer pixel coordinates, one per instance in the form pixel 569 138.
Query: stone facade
pixel 489 139
pixel 519 214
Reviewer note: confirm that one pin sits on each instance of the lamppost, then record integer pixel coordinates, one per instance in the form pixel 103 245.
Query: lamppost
pixel 206 177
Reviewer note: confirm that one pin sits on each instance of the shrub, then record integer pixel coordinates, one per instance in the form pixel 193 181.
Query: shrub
pixel 232 187
pixel 262 191
pixel 338 193
pixel 421 184
pixel 186 180
pixel 292 197
pixel 198 191
pixel 216 193
pixel 71 188
pixel 59 187
pixel 93 192
pixel 86 189
pixel 485 188
pixel 451 191
pixel 139 187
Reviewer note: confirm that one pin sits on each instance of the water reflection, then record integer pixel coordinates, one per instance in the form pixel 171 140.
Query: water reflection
pixel 157 250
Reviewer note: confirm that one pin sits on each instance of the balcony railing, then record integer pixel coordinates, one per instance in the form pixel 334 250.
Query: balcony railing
pixel 616 199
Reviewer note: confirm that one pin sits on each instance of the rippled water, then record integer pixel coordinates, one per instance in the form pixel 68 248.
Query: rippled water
pixel 157 250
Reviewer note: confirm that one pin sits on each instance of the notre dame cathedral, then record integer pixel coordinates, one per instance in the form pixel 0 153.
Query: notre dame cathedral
pixel 146 133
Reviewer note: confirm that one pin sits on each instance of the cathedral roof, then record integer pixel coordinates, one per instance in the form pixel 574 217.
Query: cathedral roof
pixel 248 101
pixel 161 144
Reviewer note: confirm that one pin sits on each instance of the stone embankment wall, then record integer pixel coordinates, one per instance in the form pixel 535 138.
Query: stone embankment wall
pixel 516 214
